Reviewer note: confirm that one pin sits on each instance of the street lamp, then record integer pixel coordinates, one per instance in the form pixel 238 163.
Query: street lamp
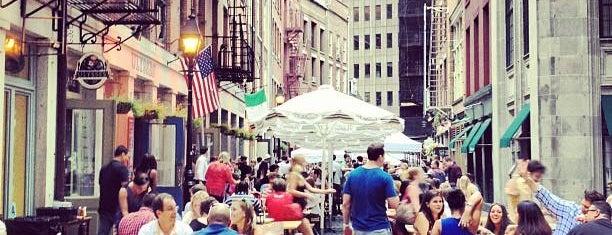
pixel 280 96
pixel 191 39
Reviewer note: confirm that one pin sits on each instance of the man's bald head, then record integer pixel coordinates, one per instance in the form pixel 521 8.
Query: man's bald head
pixel 219 214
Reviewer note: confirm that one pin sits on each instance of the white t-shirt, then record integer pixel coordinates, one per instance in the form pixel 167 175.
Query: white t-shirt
pixel 283 168
pixel 201 167
pixel 152 228
pixel 337 173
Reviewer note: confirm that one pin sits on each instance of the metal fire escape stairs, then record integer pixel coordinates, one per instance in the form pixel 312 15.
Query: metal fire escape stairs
pixel 435 70
pixel 294 72
pixel 140 15
pixel 236 58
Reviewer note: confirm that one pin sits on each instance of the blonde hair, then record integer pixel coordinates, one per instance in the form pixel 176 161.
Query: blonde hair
pixel 445 186
pixel 465 185
pixel 198 196
pixel 413 172
pixel 224 157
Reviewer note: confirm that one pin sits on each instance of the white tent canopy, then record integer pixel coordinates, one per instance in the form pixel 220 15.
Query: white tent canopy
pixel 399 142
pixel 315 155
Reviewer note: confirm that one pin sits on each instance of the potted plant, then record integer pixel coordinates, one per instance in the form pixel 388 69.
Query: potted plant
pixel 154 111
pixel 197 123
pixel 124 105
pixel 224 129
pixel 181 111
pixel 137 108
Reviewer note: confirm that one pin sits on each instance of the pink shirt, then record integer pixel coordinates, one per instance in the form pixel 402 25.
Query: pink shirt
pixel 217 175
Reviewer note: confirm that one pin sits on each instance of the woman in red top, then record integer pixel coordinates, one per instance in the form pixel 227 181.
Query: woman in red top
pixel 278 201
pixel 218 175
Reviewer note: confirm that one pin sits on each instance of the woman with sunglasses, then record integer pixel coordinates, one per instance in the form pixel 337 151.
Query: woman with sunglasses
pixel 241 215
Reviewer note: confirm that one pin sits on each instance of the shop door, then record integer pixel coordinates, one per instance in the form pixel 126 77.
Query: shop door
pixel 166 141
pixel 17 164
pixel 90 140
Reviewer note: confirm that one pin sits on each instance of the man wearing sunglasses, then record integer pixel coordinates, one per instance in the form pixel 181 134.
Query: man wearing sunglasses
pixel 598 220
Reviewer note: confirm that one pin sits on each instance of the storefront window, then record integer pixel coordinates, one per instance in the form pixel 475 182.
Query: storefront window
pixel 163 147
pixel 84 153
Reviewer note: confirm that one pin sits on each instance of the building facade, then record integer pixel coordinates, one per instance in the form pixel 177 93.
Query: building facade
pixel 375 52
pixel 549 90
pixel 325 31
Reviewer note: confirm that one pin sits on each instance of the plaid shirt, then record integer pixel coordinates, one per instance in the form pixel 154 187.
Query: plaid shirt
pixel 564 211
pixel 131 223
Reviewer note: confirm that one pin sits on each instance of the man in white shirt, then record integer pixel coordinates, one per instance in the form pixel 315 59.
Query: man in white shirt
pixel 337 181
pixel 201 166
pixel 284 166
pixel 165 208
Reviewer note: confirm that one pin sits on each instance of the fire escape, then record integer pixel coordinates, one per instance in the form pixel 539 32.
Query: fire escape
pixel 235 60
pixel 294 70
pixel 435 67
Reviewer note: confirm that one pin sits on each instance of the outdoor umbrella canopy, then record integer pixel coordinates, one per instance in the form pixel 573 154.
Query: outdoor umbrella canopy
pixel 328 119
pixel 325 118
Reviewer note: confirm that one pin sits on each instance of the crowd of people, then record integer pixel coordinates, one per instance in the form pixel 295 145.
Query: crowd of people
pixel 227 198
pixel 435 197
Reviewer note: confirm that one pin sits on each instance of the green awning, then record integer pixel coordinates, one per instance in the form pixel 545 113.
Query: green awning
pixel 506 138
pixel 478 135
pixel 451 144
pixel 606 105
pixel 468 139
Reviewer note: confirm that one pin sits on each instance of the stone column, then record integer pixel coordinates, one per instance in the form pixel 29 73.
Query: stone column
pixel 565 111
pixel 150 92
pixel 46 90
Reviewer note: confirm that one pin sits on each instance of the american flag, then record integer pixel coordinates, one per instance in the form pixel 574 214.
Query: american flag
pixel 205 92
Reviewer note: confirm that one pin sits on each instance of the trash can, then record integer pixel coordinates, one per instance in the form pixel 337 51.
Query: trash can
pixel 33 225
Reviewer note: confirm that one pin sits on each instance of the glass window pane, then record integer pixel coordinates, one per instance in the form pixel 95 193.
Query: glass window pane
pixel 162 146
pixel 378 98
pixel 378 41
pixel 20 153
pixel 389 98
pixel 366 39
pixel 389 11
pixel 85 149
pixel 366 96
pixel 389 40
pixel 367 70
pixel 378 70
pixel 366 13
pixel 389 69
pixel 16 65
pixel 377 10
pixel 356 14
pixel 4 153
pixel 356 42
pixel 356 70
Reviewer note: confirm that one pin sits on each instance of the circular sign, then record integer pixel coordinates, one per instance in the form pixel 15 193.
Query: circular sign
pixel 92 71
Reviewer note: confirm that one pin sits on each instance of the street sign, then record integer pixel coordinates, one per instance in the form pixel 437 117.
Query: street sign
pixel 92 71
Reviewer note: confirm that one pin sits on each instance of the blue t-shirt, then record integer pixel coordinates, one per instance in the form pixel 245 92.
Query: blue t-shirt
pixel 369 190
pixel 450 226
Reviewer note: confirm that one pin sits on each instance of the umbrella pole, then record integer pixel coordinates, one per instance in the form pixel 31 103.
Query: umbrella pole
pixel 323 183
pixel 330 181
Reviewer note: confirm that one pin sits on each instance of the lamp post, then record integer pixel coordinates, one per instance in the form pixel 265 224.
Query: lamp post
pixel 191 39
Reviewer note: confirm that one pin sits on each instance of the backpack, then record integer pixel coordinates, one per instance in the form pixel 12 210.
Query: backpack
pixel 440 176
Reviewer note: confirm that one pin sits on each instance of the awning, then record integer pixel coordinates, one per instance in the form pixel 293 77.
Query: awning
pixel 468 139
pixel 506 138
pixel 451 144
pixel 606 105
pixel 478 136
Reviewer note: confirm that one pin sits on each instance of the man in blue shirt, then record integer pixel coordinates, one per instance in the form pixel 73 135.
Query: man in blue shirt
pixel 366 190
pixel 218 222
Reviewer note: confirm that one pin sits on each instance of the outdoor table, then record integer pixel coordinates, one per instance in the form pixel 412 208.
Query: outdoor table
pixel 291 226
pixel 81 222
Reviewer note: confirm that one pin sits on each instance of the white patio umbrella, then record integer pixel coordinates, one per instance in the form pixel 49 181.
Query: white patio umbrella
pixel 327 119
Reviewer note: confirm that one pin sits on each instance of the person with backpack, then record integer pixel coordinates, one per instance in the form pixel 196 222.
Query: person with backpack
pixel 436 172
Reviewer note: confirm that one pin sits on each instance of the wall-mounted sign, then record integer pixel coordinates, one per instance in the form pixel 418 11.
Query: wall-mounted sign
pixel 92 71
pixel 441 151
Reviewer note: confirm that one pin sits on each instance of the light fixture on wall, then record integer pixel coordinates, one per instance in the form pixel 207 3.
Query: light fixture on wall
pixel 280 96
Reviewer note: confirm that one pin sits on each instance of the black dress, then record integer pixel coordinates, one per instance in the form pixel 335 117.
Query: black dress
pixel 196 225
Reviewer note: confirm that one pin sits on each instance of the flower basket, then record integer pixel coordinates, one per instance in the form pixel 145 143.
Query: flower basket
pixel 150 114
pixel 124 107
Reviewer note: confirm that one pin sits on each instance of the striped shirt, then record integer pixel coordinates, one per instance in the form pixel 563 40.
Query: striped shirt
pixel 564 211
pixel 245 197
pixel 131 223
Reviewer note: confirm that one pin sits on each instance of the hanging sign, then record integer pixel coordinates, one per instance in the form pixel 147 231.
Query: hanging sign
pixel 92 71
